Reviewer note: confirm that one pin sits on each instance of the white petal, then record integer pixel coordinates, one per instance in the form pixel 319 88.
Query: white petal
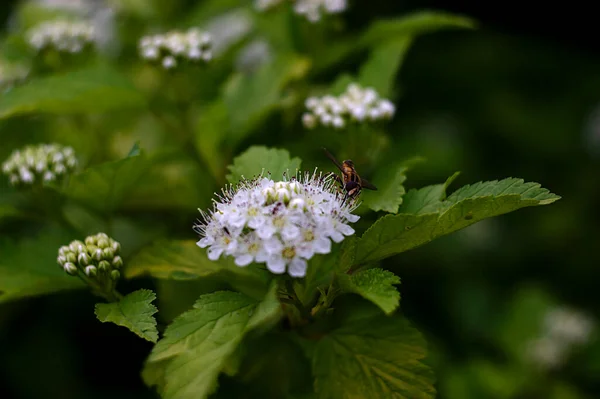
pixel 322 246
pixel 336 236
pixel 297 268
pixel 243 260
pixel 272 246
pixel 290 232
pixel 214 252
pixel 345 229
pixel 351 217
pixel 266 231
pixel 205 242
pixel 276 264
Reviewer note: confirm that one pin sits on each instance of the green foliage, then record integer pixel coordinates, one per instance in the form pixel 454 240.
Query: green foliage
pixel 29 268
pixel 380 70
pixel 184 260
pixel 372 356
pixel 390 190
pixel 393 234
pixel 93 90
pixel 256 160
pixel 375 285
pixel 414 24
pixel 103 187
pixel 134 312
pixel 196 346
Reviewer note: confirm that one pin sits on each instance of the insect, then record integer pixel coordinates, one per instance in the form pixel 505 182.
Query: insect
pixel 350 180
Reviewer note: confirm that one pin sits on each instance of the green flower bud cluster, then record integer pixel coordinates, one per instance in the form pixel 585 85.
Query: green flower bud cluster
pixel 97 258
pixel 39 163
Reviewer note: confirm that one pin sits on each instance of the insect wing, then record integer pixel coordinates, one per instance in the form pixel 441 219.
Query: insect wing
pixel 367 184
pixel 333 159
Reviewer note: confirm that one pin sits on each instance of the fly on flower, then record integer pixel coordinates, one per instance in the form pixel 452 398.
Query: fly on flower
pixel 350 180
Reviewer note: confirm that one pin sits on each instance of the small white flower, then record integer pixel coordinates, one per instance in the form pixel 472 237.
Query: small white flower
pixel 355 105
pixel 169 62
pixel 281 224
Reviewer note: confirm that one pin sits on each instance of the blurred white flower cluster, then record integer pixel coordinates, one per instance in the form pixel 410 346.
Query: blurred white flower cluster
pixel 356 104
pixel 44 162
pixel 563 329
pixel 175 46
pixel 311 9
pixel 62 35
pixel 282 224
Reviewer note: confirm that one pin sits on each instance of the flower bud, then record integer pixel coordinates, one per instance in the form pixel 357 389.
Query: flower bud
pixel 104 266
pixel 91 271
pixel 61 260
pixel 102 235
pixel 90 240
pixel 91 249
pixel 76 246
pixel 71 257
pixel 83 259
pixel 115 275
pixel 98 255
pixel 117 262
pixel 70 268
pixel 102 243
pixel 116 246
pixel 284 195
pixel 108 253
pixel 297 203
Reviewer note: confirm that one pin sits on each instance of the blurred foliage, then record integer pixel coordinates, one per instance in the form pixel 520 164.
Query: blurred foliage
pixel 485 103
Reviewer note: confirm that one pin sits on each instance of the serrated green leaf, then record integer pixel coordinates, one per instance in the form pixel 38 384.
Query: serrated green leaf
pixel 414 24
pixel 251 97
pixel 375 285
pixel 372 357
pixel 382 67
pixel 427 199
pixel 103 187
pixel 134 312
pixel 393 234
pixel 187 361
pixel 29 268
pixel 91 90
pixel 257 159
pixel 390 190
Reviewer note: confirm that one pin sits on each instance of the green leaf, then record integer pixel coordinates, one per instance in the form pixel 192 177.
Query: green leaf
pixel 29 268
pixel 257 158
pixel 251 97
pixel 393 234
pixel 196 347
pixel 91 90
pixel 390 190
pixel 104 187
pixel 426 199
pixel 184 260
pixel 134 311
pixel 372 357
pixel 414 24
pixel 382 67
pixel 375 285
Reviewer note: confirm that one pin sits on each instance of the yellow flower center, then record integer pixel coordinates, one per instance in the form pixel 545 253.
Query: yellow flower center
pixel 309 235
pixel 289 253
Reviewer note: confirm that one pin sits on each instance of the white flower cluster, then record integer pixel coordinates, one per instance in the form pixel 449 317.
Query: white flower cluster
pixel 172 47
pixel 63 36
pixel 354 105
pixel 311 9
pixel 264 5
pixel 282 224
pixel 44 162
pixel 563 329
